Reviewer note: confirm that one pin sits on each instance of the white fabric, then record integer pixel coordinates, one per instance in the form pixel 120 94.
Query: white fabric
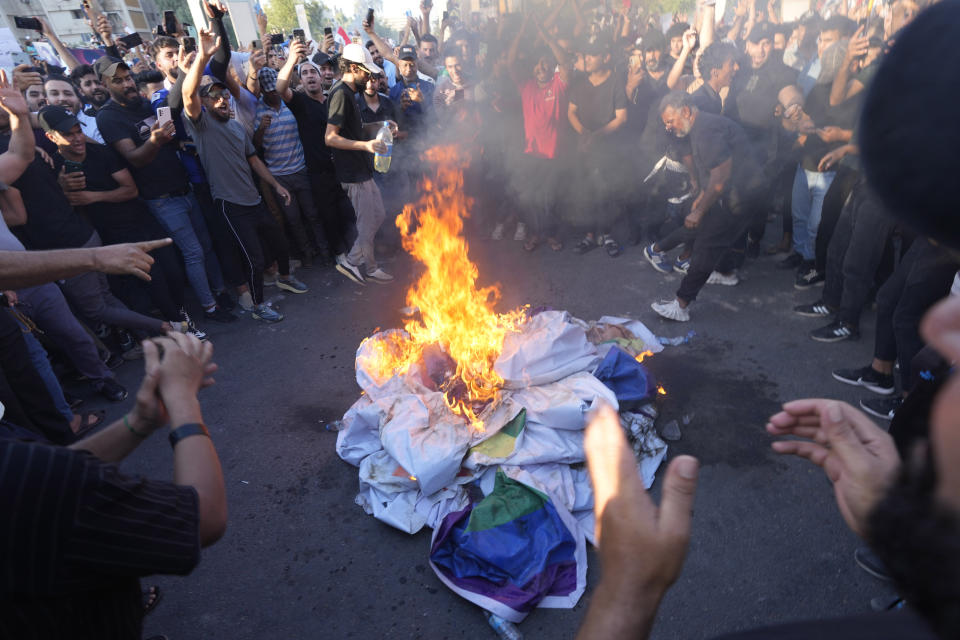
pixel 548 349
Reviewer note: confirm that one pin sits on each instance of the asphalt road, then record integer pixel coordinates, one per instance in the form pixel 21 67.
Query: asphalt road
pixel 301 560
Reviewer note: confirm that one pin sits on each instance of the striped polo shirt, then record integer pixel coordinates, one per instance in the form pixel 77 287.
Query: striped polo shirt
pixel 282 150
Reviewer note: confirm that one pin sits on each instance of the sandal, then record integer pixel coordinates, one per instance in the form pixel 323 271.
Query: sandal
pixel 587 243
pixel 613 249
pixel 531 244
pixel 86 424
pixel 151 597
pixel 556 245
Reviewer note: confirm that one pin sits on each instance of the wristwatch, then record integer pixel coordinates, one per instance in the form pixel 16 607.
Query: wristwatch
pixel 187 430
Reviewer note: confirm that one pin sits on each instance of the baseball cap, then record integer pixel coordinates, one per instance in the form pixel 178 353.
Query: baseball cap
pixel 268 79
pixel 207 88
pixel 407 52
pixel 595 48
pixel 57 118
pixel 763 31
pixel 358 54
pixel 106 66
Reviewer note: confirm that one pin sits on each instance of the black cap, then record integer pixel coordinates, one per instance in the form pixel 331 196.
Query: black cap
pixel 207 88
pixel 57 118
pixel 595 48
pixel 653 40
pixel 320 58
pixel 407 52
pixel 108 65
pixel 763 31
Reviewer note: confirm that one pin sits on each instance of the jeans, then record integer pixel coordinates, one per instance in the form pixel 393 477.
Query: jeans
pixel 38 357
pixel 182 218
pixel 809 189
pixel 252 228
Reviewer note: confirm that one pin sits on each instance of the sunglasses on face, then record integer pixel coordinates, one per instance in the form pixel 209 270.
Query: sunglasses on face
pixel 216 95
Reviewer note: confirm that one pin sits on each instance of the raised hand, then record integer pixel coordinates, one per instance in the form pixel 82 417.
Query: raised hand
pixel 23 79
pixel 208 43
pixel 11 100
pixel 127 259
pixel 161 134
pixel 859 457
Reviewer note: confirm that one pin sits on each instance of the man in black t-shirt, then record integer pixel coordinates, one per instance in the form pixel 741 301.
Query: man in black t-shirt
pixel 726 172
pixel 309 107
pixel 352 150
pixel 129 125
pixel 597 112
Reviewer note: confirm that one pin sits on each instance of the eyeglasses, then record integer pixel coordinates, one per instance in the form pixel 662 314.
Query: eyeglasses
pixel 216 95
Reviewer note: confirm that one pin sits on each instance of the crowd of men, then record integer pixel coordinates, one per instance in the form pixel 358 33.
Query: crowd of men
pixel 594 127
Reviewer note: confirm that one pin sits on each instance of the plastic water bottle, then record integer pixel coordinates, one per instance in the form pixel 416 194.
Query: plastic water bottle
pixel 505 629
pixel 381 161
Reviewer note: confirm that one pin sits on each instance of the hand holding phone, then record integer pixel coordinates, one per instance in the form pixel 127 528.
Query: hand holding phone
pixel 28 23
pixel 163 115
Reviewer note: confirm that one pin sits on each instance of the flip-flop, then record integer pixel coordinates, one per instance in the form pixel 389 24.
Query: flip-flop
pixel 612 248
pixel 85 425
pixel 149 604
pixel 585 245
pixel 531 244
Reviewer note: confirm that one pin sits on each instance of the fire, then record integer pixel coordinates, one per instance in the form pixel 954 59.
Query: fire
pixel 454 313
pixel 660 390
pixel 642 356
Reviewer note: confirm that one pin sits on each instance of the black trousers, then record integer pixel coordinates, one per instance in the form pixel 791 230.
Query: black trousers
pixel 165 290
pixel 24 395
pixel 833 203
pixel 221 237
pixel 716 235
pixel 921 279
pixel 856 249
pixel 257 235
pixel 338 220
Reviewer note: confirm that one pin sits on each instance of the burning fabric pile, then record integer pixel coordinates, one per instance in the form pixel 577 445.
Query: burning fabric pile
pixel 471 422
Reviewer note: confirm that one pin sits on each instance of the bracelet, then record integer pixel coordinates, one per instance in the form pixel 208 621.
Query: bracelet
pixel 132 430
pixel 187 430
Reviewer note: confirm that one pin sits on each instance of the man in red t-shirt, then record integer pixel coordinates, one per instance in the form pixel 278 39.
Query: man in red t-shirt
pixel 542 78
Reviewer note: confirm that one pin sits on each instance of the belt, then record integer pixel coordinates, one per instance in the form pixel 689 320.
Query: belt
pixel 172 194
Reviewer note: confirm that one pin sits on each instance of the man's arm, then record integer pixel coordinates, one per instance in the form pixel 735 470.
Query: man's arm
pixel 575 119
pixel 283 76
pixel 843 86
pixel 206 47
pixel 147 152
pixel 719 177
pixel 689 40
pixel 19 269
pixel 62 51
pixel 619 119
pixel 125 192
pixel 12 208
pixel 385 50
pixel 513 54
pixel 261 170
pixel 22 149
pixel 335 140
pixel 563 61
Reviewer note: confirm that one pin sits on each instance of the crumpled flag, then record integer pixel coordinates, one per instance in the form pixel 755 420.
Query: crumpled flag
pixel 512 551
pixel 625 377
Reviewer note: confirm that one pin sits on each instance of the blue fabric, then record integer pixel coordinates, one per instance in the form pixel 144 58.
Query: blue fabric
pixel 626 377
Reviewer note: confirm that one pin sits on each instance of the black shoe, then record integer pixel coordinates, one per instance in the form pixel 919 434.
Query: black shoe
pixel 225 301
pixel 866 377
pixel 883 408
pixel 219 315
pixel 807 277
pixel 126 340
pixel 869 562
pixel 114 361
pixel 112 390
pixel 792 261
pixel 818 309
pixel 836 332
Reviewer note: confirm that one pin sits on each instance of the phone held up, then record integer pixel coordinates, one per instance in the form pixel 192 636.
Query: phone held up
pixel 276 38
pixel 370 15
pixel 27 23
pixel 131 40
pixel 169 22
pixel 189 44
pixel 163 115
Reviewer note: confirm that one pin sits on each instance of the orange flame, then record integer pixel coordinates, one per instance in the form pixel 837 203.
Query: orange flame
pixel 660 390
pixel 454 313
pixel 643 355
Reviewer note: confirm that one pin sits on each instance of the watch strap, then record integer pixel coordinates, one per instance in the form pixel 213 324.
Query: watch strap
pixel 187 430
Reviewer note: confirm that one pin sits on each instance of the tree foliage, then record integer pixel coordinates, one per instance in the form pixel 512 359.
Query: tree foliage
pixel 178 6
pixel 282 15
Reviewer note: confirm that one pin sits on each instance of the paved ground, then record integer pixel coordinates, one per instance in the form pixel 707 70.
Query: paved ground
pixel 301 560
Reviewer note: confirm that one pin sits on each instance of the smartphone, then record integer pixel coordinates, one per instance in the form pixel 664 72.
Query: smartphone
pixel 370 15
pixel 300 36
pixel 446 14
pixel 163 115
pixel 189 44
pixel 276 38
pixel 169 22
pixel 132 40
pixel 255 45
pixel 69 166
pixel 28 23
pixel 458 94
pixel 328 31
pixel 160 30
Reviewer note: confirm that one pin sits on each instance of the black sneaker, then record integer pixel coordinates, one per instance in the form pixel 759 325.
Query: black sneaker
pixel 818 309
pixel 225 301
pixel 219 315
pixel 868 377
pixel 112 390
pixel 869 562
pixel 807 277
pixel 883 408
pixel 836 332
pixel 792 261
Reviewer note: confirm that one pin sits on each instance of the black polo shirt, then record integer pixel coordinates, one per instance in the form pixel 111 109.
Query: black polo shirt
pixel 163 176
pixel 312 124
pixel 52 222
pixel 753 95
pixel 343 112
pixel 76 535
pixel 708 100
pixel 714 140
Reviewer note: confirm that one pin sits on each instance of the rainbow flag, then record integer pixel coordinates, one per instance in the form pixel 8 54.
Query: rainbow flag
pixel 512 551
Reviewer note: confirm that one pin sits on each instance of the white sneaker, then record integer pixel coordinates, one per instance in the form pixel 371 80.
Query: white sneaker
pixel 521 233
pixel 727 280
pixel 245 300
pixel 348 269
pixel 497 232
pixel 270 279
pixel 380 276
pixel 671 311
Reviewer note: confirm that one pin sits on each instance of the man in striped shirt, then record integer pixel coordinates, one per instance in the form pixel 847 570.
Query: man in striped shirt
pixel 278 137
